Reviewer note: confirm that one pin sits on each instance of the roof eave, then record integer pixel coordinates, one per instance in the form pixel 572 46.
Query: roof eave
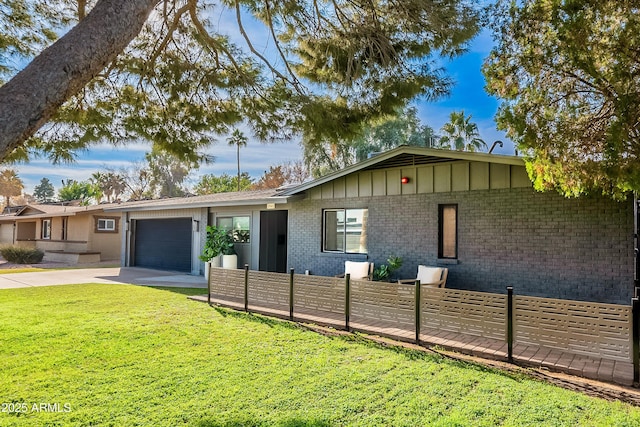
pixel 222 203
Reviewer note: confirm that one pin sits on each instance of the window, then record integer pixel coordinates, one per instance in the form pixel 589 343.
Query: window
pixel 448 231
pixel 106 224
pixel 345 230
pixel 238 226
pixel 46 229
pixel 65 223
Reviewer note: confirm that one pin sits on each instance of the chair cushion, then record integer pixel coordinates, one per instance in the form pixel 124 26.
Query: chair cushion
pixel 428 275
pixel 357 270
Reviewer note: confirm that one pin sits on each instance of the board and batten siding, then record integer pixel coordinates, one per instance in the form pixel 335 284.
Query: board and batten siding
pixel 438 178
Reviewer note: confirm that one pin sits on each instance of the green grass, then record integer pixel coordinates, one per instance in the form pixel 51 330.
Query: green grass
pixel 22 270
pixel 40 269
pixel 125 356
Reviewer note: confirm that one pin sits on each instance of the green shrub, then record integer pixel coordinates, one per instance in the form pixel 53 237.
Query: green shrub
pixel 20 255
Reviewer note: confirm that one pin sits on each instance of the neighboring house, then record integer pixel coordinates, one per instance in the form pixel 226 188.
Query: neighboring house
pixel 65 233
pixel 475 213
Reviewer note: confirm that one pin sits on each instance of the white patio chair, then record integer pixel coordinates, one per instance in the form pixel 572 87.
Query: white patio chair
pixel 358 270
pixel 434 277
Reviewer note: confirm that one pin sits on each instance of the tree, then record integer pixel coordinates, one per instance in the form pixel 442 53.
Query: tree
pixel 461 134
pixel 137 179
pixel 84 191
pixel 23 199
pixel 328 156
pixel 63 69
pixel 211 184
pixel 238 139
pixel 568 75
pixel 284 173
pixel 176 79
pixel 44 191
pixel 10 185
pixel 273 178
pixel 168 173
pixel 111 184
pixel 296 172
pixel 401 128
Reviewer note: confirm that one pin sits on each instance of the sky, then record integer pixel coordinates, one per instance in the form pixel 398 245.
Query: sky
pixel 468 94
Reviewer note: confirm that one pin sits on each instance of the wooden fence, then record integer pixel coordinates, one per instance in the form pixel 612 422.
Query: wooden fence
pixel 592 329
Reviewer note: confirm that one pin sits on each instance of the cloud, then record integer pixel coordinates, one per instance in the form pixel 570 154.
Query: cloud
pixel 255 158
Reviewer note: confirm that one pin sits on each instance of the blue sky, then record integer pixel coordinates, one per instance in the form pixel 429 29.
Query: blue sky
pixel 468 94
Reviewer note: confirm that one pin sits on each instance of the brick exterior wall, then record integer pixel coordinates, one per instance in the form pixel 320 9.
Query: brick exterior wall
pixel 540 243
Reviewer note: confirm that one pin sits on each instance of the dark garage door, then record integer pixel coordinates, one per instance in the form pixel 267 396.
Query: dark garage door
pixel 164 244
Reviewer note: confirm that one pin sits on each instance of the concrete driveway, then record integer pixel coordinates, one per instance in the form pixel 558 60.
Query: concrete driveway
pixel 118 275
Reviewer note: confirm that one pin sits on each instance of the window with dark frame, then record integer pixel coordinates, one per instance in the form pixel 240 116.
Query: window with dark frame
pixel 448 231
pixel 345 230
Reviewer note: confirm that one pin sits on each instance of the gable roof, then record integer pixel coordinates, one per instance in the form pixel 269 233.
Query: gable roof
pixel 36 211
pixel 408 156
pixel 29 210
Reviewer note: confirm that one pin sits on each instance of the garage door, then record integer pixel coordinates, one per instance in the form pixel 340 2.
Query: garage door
pixel 164 244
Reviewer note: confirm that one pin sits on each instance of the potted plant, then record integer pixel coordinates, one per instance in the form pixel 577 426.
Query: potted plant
pixel 229 256
pixel 383 273
pixel 213 247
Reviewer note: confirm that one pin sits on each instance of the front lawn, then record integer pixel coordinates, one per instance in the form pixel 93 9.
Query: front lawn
pixel 127 355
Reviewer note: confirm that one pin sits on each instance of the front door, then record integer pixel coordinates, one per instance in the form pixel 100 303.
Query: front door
pixel 273 241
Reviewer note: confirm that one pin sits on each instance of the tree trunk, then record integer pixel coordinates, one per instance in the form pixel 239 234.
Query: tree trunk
pixel 33 96
pixel 238 167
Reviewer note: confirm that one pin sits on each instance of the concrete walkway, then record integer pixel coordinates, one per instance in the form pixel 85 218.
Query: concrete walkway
pixel 117 275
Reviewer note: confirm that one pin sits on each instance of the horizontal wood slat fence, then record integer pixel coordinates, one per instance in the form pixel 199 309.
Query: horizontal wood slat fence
pixel 593 329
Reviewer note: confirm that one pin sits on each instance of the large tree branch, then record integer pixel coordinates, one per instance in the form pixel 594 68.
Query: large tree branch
pixel 258 54
pixel 33 96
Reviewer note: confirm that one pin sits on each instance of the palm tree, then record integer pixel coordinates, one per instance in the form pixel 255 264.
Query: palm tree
pixel 238 139
pixel 461 134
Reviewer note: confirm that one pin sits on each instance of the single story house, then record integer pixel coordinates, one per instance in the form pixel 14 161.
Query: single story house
pixel 475 213
pixel 65 233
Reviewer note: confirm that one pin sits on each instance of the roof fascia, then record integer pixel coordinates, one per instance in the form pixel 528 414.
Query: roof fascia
pixel 199 205
pixel 45 215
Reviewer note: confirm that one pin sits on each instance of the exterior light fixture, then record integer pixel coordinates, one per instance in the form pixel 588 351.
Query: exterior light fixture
pixel 404 180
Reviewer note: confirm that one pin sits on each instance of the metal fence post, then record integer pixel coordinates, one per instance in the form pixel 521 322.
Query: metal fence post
pixel 417 284
pixel 291 294
pixel 635 332
pixel 347 300
pixel 209 286
pixel 510 323
pixel 246 287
